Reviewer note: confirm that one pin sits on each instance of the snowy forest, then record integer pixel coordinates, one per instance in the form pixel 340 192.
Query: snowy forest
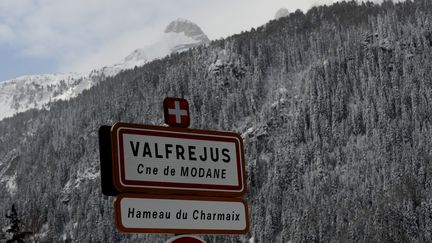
pixel 334 105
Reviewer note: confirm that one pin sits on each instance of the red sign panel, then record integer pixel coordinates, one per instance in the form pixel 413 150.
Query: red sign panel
pixel 185 239
pixel 167 160
pixel 176 112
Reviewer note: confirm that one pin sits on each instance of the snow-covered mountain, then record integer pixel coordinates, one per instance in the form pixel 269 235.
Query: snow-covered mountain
pixel 35 91
pixel 179 35
pixel 337 131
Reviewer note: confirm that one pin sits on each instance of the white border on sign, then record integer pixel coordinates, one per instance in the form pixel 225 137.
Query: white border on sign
pixel 180 188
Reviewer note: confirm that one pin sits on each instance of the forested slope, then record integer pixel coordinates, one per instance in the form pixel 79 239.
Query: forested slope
pixel 333 104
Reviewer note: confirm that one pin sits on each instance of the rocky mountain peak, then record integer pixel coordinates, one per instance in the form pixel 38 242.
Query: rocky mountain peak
pixel 189 29
pixel 283 12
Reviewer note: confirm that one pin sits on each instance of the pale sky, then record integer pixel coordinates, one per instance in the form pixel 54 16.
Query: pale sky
pixel 48 36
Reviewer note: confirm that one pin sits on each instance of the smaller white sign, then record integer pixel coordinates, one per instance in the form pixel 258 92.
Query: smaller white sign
pixel 181 214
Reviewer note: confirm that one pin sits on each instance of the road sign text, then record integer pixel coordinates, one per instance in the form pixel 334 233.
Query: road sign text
pixel 181 214
pixel 149 157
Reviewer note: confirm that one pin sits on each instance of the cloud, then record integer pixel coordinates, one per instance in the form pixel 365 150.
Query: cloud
pixel 112 51
pixel 81 35
pixel 6 33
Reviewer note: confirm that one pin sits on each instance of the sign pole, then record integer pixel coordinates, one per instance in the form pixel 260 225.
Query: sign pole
pixel 167 103
pixel 106 167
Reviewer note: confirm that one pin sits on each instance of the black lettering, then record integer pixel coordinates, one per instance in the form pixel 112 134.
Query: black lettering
pixel 157 152
pixel 204 158
pixel 221 216
pixel 214 154
pixel 223 176
pixel 192 153
pixel 135 148
pixel 140 169
pixel 227 158
pixel 194 172
pixel 181 215
pixel 195 214
pixel 201 172
pixel 184 171
pixel 180 151
pixel 216 174
pixel 131 213
pixel 168 150
pixel 209 173
pixel 146 214
pixel 237 217
pixel 148 170
pixel 147 150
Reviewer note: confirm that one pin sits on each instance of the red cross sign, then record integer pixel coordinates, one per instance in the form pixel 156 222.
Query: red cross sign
pixel 176 112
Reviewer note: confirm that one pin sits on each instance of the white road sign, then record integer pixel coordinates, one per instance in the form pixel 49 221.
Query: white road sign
pixel 141 213
pixel 177 160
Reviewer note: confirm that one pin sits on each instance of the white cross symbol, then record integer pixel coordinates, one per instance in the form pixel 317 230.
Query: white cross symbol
pixel 177 112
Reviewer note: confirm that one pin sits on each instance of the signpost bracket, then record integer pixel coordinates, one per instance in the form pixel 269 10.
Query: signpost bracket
pixel 106 163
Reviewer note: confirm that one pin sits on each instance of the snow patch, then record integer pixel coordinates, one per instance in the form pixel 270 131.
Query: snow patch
pixel 10 182
pixel 265 157
pixel 277 103
pixel 88 174
pixel 44 232
pixel 281 95
pixel 34 91
pixel 249 131
pixel 283 91
pixel 8 173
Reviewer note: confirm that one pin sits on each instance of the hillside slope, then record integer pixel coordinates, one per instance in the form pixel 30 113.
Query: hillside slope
pixel 37 91
pixel 334 107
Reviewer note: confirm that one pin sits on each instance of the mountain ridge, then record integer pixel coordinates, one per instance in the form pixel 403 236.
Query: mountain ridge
pixel 37 91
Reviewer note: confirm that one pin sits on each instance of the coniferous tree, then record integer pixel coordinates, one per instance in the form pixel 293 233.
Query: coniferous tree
pixel 17 235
